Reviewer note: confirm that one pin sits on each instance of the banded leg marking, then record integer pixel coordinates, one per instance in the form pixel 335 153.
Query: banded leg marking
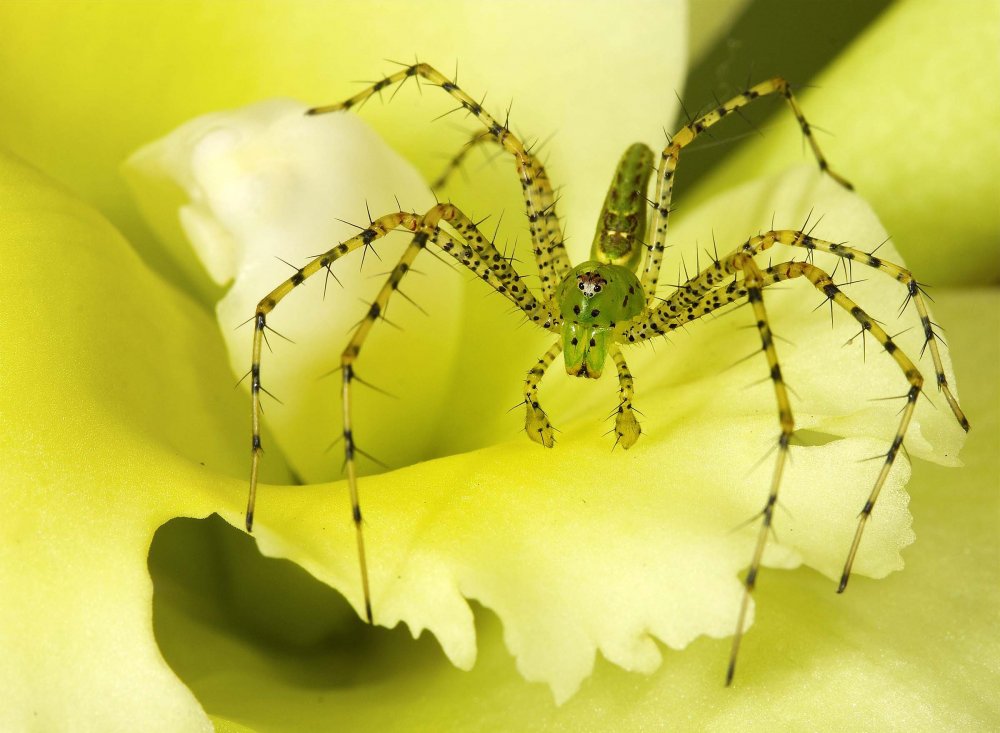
pixel 900 274
pixel 536 422
pixel 627 428
pixel 539 199
pixel 705 293
pixel 690 301
pixel 378 229
pixel 753 280
pixel 686 135
pixel 479 254
pixel 456 160
pixel 347 359
pixel 476 252
pixel 823 283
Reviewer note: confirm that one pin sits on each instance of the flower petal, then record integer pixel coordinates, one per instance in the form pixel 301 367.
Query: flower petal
pixel 117 416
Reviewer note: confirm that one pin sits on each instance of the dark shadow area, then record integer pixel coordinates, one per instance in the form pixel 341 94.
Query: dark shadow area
pixel 771 38
pixel 220 608
pixel 808 437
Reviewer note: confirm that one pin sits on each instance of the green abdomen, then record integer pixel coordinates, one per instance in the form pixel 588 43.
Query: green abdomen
pixel 622 223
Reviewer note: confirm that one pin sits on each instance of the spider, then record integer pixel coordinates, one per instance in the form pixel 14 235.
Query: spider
pixel 599 307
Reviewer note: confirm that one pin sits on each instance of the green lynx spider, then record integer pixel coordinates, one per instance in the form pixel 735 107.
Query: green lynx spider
pixel 606 303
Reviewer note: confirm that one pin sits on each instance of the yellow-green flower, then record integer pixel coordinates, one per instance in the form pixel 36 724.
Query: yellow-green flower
pixel 119 415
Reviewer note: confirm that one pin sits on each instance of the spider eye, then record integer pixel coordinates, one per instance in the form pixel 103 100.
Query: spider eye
pixel 597 288
pixel 580 285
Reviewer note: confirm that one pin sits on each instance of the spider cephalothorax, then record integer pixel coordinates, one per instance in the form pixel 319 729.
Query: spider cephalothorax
pixel 610 302
pixel 594 298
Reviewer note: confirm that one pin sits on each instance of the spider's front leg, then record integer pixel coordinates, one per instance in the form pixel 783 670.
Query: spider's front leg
pixel 536 422
pixel 378 229
pixel 539 198
pixel 470 249
pixel 627 428
pixel 701 295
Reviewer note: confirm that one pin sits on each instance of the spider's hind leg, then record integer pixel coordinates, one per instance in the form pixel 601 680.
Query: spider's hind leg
pixel 455 162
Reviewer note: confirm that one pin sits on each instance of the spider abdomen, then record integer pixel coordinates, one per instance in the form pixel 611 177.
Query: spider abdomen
pixel 622 223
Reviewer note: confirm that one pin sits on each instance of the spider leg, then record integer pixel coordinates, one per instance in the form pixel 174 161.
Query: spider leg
pixel 536 422
pixel 822 282
pixel 627 428
pixel 477 253
pixel 694 298
pixel 715 287
pixel 378 229
pixel 754 281
pixel 687 302
pixel 539 199
pixel 686 135
pixel 456 160
pixel 794 238
pixel 347 359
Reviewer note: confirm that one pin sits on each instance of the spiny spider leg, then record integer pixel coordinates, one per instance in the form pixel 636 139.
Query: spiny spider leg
pixel 822 282
pixel 704 294
pixel 378 228
pixel 539 199
pixel 456 160
pixel 701 294
pixel 627 428
pixel 476 252
pixel 685 136
pixel 347 359
pixel 496 269
pixel 536 422
pixel 901 275
pixel 689 303
pixel 753 280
